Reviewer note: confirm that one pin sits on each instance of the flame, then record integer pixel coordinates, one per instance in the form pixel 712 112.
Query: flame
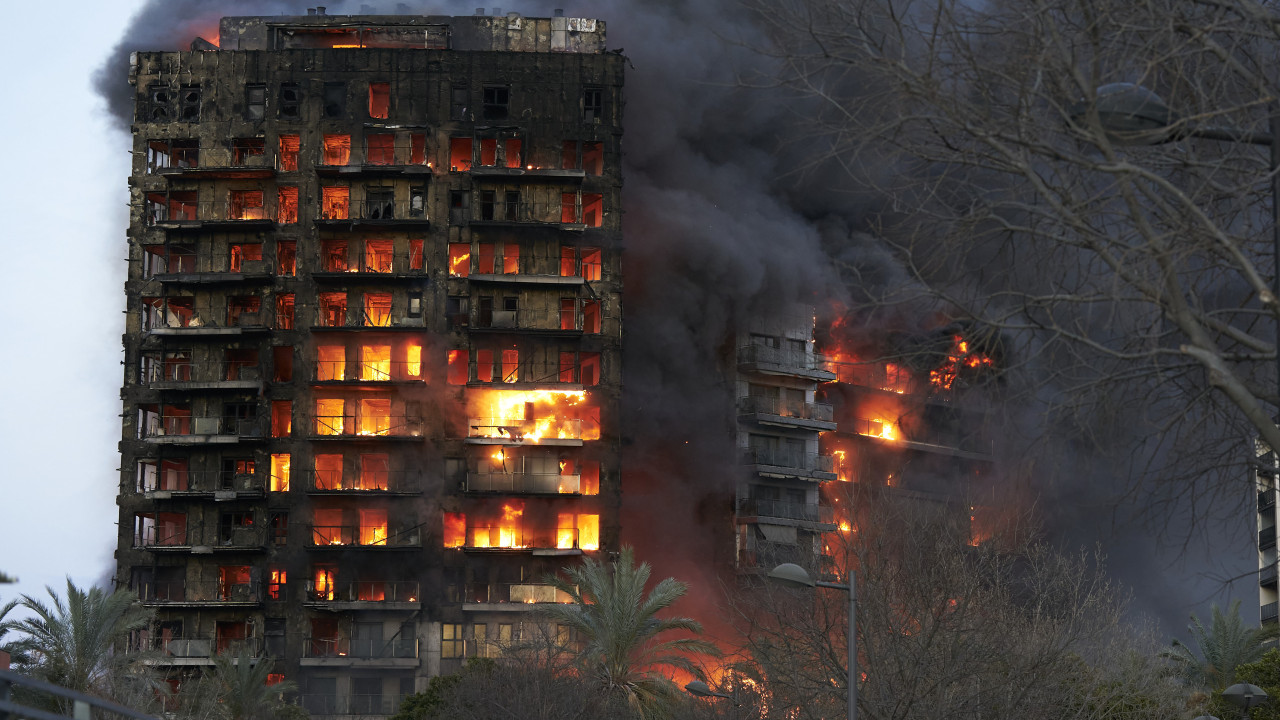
pixel 887 430
pixel 532 415
pixel 960 358
pixel 455 530
pixel 845 527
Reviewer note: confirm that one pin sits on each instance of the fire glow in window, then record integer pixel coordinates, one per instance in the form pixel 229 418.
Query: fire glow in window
pixel 375 416
pixel 459 259
pixel 284 311
pixel 280 472
pixel 328 528
pixel 377 309
pixel 455 530
pixel 460 154
pixel 333 309
pixel 281 418
pixel 373 526
pixel 246 205
pixel 287 205
pixel 337 149
pixel 335 202
pixel 413 361
pixel 329 416
pixel 328 472
pixel 290 145
pixel 331 362
pixel 380 149
pixel 378 255
pixel 374 471
pixel 375 362
pixel 379 100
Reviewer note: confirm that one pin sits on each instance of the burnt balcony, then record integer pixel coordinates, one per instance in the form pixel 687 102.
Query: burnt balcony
pixel 511 214
pixel 387 482
pixel 221 485
pixel 523 483
pixel 340 649
pixel 767 360
pixel 200 538
pixel 775 411
pixel 545 431
pixel 749 508
pixel 181 210
pixel 181 317
pixel 199 593
pixel 376 537
pixel 199 650
pixel 221 375
pixel 526 173
pixel 184 266
pixel 370 594
pixel 781 462
pixel 348 427
pixel 512 597
pixel 187 430
pixel 341 372
pixel 540 540
pixel 374 213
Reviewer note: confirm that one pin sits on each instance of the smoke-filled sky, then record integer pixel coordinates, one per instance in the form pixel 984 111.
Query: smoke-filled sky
pixel 716 228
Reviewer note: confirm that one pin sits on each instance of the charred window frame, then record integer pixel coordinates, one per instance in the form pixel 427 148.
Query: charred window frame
pixel 335 99
pixel 592 105
pixel 289 106
pixel 487 202
pixel 458 311
pixel 379 202
pixel 511 206
pixel 459 203
pixel 496 102
pixel 189 103
pixel 244 151
pixel 159 107
pixel 415 304
pixel 459 98
pixel 255 101
pixel 417 201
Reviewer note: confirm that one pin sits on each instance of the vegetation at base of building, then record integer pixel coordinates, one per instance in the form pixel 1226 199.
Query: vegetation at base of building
pixel 1220 649
pixel 1265 673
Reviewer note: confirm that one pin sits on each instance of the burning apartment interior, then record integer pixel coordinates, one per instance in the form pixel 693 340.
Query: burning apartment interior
pixel 373 341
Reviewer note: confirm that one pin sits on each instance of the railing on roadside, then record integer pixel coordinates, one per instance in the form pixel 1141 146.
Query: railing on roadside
pixel 69 703
pixel 351 704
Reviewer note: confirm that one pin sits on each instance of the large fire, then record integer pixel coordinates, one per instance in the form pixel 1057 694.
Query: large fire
pixel 960 359
pixel 532 415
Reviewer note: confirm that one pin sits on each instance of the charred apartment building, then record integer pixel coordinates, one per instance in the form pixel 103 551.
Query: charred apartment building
pixel 373 343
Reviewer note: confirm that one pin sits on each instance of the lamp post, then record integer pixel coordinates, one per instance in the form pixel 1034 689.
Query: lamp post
pixel 1133 115
pixel 795 576
pixel 1244 696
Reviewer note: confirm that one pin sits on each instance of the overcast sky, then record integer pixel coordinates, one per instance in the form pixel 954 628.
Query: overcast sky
pixel 65 204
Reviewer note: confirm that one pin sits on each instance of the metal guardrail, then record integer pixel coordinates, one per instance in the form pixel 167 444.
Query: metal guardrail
pixel 382 426
pixel 398 647
pixel 819 412
pixel 562 428
pixel 517 537
pixel 205 481
pixel 371 591
pixel 783 359
pixel 357 536
pixel 1266 538
pixel 781 458
pixel 196 591
pixel 384 481
pixel 371 371
pixel 787 510
pixel 523 482
pixel 518 593
pixel 81 704
pixel 1269 612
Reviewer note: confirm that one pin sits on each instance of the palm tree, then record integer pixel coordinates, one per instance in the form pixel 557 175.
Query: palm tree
pixel 241 684
pixel 76 642
pixel 619 630
pixel 1225 645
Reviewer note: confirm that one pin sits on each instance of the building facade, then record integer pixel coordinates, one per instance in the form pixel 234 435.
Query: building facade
pixel 1265 473
pixel 373 343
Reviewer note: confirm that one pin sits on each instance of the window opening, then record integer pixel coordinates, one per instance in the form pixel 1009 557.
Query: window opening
pixel 379 100
pixel 290 101
pixel 496 102
pixel 255 98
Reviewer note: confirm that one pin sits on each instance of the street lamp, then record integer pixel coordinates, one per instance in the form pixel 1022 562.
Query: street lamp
pixel 795 576
pixel 1133 115
pixel 1244 696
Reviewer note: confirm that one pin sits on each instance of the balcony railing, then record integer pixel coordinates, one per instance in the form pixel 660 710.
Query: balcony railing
pixel 181 373
pixel 178 427
pixel 520 538
pixel 382 426
pixel 537 213
pixel 182 211
pixel 201 481
pixel 387 371
pixel 200 318
pixel 1269 612
pixel 810 462
pixel 523 482
pixel 1266 499
pixel 198 592
pixel 332 647
pixel 351 704
pixel 1267 575
pixel 516 593
pixel 370 591
pixel 818 412
pixel 1267 537
pixel 367 536
pixel 205 646
pixel 545 428
pixel 781 360
pixel 220 537
pixel 395 481
pixel 787 510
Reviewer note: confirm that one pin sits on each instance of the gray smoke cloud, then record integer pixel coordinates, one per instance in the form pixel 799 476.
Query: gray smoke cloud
pixel 720 223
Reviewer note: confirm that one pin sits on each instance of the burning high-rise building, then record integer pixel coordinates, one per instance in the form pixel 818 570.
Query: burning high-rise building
pixel 373 342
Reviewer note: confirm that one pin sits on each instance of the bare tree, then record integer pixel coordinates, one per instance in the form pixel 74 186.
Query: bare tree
pixel 1133 283
pixel 1008 629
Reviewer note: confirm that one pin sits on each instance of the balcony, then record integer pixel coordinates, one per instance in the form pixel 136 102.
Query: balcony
pixel 179 316
pixel 196 593
pixel 371 537
pixel 386 482
pixel 1266 499
pixel 1267 575
pixel 193 269
pixel 348 427
pixel 202 483
pixel 351 705
pixel 523 483
pixel 1268 612
pixel 542 541
pixel 783 463
pixel 180 211
pixel 749 508
pixel 543 431
pixel 508 597
pixel 199 430
pixel 340 372
pixel 364 594
pixel 199 650
pixel 399 651
pixel 527 173
pixel 776 361
pixel 774 411
pixel 1267 538
pixel 201 539
pixel 374 213
pixel 225 375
